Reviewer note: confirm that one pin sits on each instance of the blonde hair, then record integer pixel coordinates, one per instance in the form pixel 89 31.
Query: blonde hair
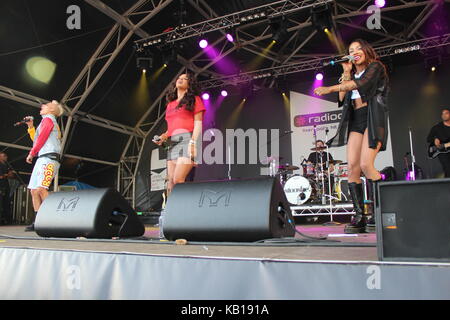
pixel 59 111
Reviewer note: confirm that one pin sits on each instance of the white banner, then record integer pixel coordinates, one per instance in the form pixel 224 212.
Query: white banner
pixel 307 111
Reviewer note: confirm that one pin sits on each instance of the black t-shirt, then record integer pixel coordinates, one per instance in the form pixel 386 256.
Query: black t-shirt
pixel 440 131
pixel 3 170
pixel 312 157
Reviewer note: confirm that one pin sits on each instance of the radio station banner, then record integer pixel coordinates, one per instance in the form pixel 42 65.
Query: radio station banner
pixel 307 112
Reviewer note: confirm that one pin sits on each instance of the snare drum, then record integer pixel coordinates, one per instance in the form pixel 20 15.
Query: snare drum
pixel 299 190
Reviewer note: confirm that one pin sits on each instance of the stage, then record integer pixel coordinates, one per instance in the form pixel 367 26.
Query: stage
pixel 345 268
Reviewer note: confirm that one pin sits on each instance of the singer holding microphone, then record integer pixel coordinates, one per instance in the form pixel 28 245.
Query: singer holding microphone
pixel 47 147
pixel 363 90
pixel 184 117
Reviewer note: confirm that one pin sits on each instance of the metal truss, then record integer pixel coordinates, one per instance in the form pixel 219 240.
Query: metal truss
pixel 322 210
pixel 316 64
pixel 229 21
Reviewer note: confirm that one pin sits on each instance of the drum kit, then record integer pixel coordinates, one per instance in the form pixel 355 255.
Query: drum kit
pixel 317 184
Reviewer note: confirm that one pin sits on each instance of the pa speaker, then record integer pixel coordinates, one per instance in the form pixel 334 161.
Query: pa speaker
pixel 413 220
pixel 231 210
pixel 94 213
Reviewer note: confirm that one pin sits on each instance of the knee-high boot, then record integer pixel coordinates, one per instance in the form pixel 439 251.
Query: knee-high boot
pixel 358 222
pixel 371 196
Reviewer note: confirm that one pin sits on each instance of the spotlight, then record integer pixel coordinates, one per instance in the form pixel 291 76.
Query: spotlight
pixel 432 62
pixel 230 37
pixel 224 93
pixel 319 76
pixel 380 3
pixel 144 63
pixel 169 55
pixel 279 29
pixel 321 18
pixel 205 96
pixel 203 43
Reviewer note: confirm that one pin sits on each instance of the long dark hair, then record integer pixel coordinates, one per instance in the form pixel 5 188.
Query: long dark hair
pixel 369 52
pixel 188 100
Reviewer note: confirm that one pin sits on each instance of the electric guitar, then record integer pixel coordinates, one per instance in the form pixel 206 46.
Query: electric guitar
pixel 434 151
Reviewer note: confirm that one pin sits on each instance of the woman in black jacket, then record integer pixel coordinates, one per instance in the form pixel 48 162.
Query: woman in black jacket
pixel 363 90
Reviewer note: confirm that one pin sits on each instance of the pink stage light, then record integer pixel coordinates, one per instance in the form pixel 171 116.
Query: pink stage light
pixel 203 43
pixel 380 3
pixel 205 96
pixel 319 76
pixel 230 37
pixel 224 93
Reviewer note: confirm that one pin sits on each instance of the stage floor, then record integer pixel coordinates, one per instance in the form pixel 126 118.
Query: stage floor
pixel 361 247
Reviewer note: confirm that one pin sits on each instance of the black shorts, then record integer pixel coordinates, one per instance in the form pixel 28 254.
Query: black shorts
pixel 358 120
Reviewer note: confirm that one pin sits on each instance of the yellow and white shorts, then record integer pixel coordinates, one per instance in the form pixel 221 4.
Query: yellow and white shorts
pixel 43 173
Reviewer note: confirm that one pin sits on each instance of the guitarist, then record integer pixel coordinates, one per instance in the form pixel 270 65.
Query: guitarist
pixel 5 173
pixel 440 135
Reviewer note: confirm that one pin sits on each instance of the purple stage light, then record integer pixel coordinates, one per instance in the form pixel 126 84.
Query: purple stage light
pixel 319 76
pixel 380 3
pixel 203 43
pixel 224 93
pixel 205 96
pixel 230 37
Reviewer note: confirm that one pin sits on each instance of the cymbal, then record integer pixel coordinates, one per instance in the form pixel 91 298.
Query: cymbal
pixel 288 168
pixel 318 148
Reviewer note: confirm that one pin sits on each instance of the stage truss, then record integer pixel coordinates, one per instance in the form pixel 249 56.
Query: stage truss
pixel 132 21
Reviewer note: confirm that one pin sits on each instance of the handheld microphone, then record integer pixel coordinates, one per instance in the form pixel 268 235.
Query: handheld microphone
pixel 24 120
pixel 336 61
pixel 156 138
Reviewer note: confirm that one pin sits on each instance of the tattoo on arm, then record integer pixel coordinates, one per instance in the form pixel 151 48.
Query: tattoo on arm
pixel 348 86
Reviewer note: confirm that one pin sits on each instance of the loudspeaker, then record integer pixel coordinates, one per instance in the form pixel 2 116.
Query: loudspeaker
pixel 94 213
pixel 231 210
pixel 413 220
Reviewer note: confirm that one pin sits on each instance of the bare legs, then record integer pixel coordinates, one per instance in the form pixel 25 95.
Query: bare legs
pixel 38 195
pixel 361 158
pixel 177 171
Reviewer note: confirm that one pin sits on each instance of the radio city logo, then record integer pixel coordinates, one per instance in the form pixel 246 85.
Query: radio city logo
pixel 214 198
pixel 314 119
pixel 68 204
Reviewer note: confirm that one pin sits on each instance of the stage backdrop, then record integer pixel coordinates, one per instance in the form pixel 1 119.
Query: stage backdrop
pixel 307 111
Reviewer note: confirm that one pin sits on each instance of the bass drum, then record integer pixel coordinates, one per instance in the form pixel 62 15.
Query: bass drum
pixel 299 190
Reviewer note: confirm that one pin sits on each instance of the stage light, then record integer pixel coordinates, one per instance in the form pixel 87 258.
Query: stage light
pixel 319 76
pixel 230 37
pixel 433 68
pixel 321 18
pixel 433 61
pixel 205 96
pixel 203 43
pixel 165 65
pixel 380 3
pixel 224 93
pixel 144 71
pixel 279 29
pixel 40 68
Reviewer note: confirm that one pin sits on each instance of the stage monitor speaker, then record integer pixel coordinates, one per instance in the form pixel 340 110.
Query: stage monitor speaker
pixel 230 210
pixel 413 220
pixel 93 213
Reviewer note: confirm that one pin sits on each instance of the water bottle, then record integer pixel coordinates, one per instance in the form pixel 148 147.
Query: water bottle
pixel 161 223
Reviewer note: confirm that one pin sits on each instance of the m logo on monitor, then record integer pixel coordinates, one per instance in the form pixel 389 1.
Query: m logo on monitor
pixel 214 198
pixel 68 204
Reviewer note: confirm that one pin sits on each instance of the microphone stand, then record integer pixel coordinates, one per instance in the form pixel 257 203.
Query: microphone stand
pixel 413 158
pixel 331 222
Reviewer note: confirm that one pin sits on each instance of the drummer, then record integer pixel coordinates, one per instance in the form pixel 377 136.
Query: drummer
pixel 319 156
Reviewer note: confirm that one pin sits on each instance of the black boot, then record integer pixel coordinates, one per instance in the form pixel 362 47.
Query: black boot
pixel 371 196
pixel 357 223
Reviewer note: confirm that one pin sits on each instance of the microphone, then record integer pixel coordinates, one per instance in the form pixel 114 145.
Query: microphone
pixel 335 61
pixel 156 138
pixel 24 120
